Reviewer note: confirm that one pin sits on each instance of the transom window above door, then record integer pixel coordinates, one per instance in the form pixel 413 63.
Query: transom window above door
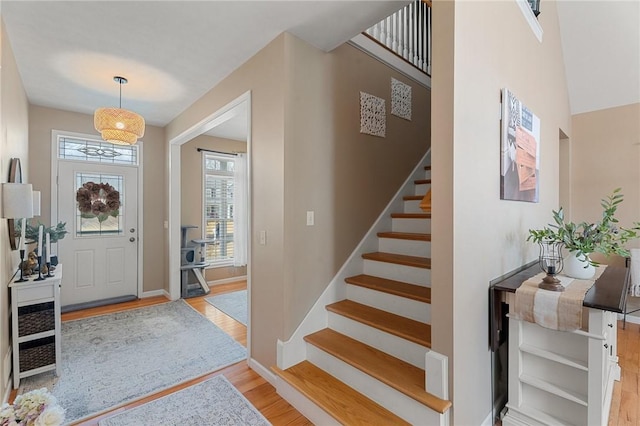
pixel 96 151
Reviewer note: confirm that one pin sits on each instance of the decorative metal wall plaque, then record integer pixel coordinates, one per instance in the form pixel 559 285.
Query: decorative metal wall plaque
pixel 400 99
pixel 372 115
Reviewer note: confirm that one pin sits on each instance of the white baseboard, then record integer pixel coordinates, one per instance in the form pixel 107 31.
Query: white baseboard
pixel 6 366
pixel 630 318
pixel 7 392
pixel 227 280
pixel 265 373
pixel 488 421
pixel 154 293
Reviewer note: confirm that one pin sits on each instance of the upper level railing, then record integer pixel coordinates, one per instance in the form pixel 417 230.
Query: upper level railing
pixel 407 33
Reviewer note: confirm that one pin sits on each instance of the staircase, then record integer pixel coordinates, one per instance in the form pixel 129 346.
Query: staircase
pixel 366 364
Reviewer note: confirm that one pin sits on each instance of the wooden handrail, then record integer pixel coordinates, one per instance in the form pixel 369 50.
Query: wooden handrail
pixel 427 2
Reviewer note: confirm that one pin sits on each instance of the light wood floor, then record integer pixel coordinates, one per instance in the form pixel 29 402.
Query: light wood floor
pixel 625 406
pixel 256 389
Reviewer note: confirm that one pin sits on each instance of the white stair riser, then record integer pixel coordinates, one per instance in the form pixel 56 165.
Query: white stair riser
pixel 398 347
pixel 427 174
pixel 412 206
pixel 422 188
pixel 408 247
pixel 392 271
pixel 398 403
pixel 417 225
pixel 408 308
pixel 304 405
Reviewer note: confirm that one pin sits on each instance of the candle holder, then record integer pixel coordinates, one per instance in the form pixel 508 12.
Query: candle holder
pixel 40 277
pixel 22 278
pixel 49 274
pixel 550 261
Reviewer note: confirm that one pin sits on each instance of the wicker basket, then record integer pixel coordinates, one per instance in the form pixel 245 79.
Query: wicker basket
pixel 37 356
pixel 36 319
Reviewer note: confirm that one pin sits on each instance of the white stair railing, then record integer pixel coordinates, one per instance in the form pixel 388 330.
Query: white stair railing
pixel 407 33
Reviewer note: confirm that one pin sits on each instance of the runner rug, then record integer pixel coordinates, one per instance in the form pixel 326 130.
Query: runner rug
pixel 114 359
pixel 212 402
pixel 233 304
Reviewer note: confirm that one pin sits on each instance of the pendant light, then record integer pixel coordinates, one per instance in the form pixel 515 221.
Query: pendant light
pixel 116 125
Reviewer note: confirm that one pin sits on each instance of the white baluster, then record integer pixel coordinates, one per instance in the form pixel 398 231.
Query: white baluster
pixel 394 24
pixel 411 22
pixel 376 31
pixel 383 32
pixel 415 22
pixel 405 32
pixel 430 42
pixel 420 24
pixel 427 47
pixel 388 42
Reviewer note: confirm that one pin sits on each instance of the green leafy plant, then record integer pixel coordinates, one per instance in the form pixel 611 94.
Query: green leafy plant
pixel 31 231
pixel 584 238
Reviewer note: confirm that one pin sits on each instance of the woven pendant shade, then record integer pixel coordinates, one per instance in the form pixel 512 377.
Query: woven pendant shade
pixel 118 126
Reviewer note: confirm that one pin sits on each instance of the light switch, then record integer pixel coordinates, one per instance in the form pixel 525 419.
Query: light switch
pixel 310 218
pixel 263 238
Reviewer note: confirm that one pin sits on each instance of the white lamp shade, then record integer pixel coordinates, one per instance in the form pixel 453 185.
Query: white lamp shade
pixel 17 200
pixel 36 203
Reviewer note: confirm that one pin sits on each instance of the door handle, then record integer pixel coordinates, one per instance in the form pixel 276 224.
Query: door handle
pixel 132 239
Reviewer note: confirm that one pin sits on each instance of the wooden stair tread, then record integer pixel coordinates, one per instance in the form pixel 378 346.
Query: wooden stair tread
pixel 411 215
pixel 414 331
pixel 405 236
pixel 398 288
pixel 422 181
pixel 340 401
pixel 412 197
pixel 398 374
pixel 399 259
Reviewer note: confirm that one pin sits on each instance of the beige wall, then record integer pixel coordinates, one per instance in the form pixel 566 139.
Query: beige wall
pixel 14 143
pixel 491 47
pixel 43 120
pixel 191 192
pixel 344 176
pixel 307 154
pixel 605 154
pixel 263 74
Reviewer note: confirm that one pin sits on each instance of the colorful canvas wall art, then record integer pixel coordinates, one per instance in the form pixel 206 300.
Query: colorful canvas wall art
pixel 520 151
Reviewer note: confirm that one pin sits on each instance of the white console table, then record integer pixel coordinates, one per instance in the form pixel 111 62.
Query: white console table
pixel 35 322
pixel 566 378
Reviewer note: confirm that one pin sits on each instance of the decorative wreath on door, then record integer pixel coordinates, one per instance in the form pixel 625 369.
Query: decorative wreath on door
pixel 99 200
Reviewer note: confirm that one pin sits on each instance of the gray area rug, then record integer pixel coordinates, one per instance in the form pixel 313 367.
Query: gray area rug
pixel 233 304
pixel 116 358
pixel 212 402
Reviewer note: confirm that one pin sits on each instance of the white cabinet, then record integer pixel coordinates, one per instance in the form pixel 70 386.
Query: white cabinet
pixel 562 378
pixel 35 326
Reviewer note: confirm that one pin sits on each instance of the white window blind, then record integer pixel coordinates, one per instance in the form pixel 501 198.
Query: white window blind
pixel 218 202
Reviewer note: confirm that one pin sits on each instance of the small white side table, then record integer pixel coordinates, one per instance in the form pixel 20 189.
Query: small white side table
pixel 35 326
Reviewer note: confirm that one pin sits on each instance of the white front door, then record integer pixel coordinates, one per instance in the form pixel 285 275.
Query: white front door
pixel 100 251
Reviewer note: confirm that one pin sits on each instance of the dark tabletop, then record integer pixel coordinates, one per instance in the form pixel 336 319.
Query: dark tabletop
pixel 608 293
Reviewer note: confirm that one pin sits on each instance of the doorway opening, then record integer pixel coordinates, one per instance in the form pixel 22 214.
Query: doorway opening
pixel 208 153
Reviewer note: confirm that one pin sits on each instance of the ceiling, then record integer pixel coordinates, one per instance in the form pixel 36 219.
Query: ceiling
pixel 173 52
pixel 601 48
